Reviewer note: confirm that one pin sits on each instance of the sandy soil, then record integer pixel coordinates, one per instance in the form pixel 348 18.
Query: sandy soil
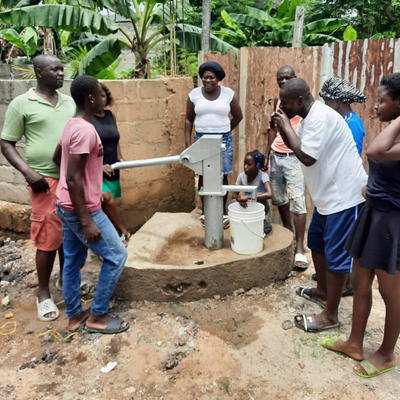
pixel 232 347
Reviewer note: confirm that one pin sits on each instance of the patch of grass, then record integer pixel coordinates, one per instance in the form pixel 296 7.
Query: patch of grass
pixel 225 385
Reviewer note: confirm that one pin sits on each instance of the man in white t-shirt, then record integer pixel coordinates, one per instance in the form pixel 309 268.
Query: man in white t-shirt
pixel 335 177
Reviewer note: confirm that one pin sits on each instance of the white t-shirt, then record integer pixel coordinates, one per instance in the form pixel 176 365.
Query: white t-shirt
pixel 259 180
pixel 212 116
pixel 336 179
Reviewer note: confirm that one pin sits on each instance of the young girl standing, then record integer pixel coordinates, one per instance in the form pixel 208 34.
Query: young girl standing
pixel 252 175
pixel 374 242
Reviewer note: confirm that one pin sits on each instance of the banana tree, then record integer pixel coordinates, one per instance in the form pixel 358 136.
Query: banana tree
pixel 150 20
pixel 259 28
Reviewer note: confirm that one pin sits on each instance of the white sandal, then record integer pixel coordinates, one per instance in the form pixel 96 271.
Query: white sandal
pixel 300 258
pixel 47 307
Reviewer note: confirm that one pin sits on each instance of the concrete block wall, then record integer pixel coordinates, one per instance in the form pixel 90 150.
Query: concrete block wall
pixel 150 116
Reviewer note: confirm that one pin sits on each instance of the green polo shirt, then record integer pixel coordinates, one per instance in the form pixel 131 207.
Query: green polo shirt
pixel 41 123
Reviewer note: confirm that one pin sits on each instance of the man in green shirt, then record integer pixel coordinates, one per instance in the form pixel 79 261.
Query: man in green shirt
pixel 40 116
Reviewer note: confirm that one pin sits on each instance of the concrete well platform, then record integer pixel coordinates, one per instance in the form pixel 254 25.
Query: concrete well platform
pixel 161 254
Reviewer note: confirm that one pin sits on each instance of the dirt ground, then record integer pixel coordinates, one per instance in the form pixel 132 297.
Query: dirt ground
pixel 231 347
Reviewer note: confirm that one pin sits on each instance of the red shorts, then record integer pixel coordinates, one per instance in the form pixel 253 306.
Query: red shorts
pixel 46 227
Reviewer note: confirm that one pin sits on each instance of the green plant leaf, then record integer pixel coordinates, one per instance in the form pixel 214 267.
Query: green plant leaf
pixel 100 57
pixel 316 39
pixel 30 40
pixel 262 16
pixel 325 25
pixel 247 20
pixel 59 17
pixel 231 24
pixel 193 40
pixel 12 36
pixel 349 34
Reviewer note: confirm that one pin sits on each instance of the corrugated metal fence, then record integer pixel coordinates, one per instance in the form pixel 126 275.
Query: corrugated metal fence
pixel 253 77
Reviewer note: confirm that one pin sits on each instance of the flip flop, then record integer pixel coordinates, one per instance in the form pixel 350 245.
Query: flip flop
pixel 306 293
pixel 46 307
pixel 310 324
pixel 328 344
pixel 347 293
pixel 82 326
pixel 58 285
pixel 300 262
pixel 371 370
pixel 113 326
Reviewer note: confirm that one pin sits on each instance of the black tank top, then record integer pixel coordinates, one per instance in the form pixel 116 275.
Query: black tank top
pixel 384 183
pixel 109 135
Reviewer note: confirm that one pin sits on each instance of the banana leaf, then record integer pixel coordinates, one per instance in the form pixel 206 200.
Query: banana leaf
pixel 231 24
pixel 59 17
pixel 193 40
pixel 262 16
pixel 100 57
pixel 325 25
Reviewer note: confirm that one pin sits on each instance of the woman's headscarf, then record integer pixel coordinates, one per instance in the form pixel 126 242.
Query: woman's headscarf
pixel 339 89
pixel 213 67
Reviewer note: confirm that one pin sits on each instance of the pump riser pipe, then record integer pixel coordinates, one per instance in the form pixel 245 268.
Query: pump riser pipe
pixel 213 218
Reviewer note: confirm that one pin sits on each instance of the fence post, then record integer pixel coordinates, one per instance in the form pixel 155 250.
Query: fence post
pixel 298 27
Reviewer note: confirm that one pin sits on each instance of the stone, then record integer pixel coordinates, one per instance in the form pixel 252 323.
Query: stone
pixel 302 364
pixel 6 301
pixel 130 390
pixel 159 343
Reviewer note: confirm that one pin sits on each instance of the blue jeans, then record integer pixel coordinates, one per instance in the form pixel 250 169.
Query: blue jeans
pixel 110 247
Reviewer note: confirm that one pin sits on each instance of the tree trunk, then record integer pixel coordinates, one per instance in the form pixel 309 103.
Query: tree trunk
pixel 206 26
pixel 48 46
pixel 298 27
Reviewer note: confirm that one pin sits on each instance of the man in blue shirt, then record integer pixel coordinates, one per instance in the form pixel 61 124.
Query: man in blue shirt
pixel 339 95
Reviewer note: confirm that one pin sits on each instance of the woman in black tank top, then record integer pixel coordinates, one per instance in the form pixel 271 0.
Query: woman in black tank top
pixel 106 128
pixel 374 242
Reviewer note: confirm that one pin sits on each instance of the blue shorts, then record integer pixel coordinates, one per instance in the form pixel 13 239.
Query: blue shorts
pixel 327 234
pixel 227 155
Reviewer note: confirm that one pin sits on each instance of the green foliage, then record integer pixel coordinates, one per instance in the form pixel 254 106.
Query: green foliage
pixel 259 28
pixel 27 40
pixel 372 18
pixel 59 17
pixel 350 34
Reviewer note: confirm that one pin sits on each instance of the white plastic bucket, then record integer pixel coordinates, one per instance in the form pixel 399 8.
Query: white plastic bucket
pixel 247 227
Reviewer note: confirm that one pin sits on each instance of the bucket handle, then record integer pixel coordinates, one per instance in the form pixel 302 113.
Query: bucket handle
pixel 262 237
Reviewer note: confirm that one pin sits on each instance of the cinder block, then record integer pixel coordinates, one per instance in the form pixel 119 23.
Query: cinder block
pixel 131 89
pixel 6 90
pixel 128 112
pixel 7 174
pixel 152 132
pixel 147 110
pixel 155 88
pixel 117 89
pixel 14 193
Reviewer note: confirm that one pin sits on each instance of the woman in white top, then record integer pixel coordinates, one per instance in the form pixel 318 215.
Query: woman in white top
pixel 209 108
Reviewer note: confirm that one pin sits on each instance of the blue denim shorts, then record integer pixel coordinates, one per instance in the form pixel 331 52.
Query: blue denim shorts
pixel 227 155
pixel 327 235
